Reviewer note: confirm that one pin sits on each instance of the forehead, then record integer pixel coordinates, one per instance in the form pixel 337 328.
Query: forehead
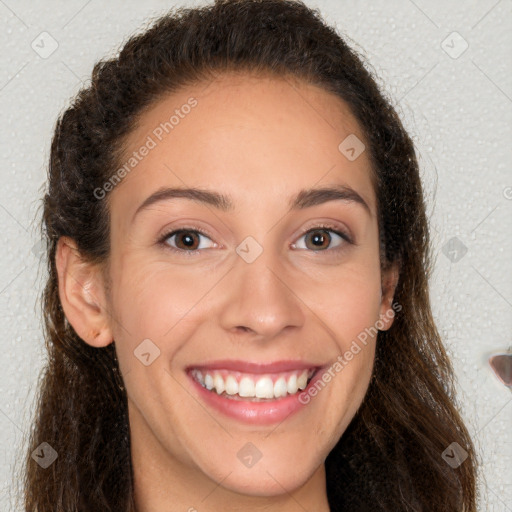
pixel 257 138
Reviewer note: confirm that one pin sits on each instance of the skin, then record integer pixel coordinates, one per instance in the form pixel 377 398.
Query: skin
pixel 259 140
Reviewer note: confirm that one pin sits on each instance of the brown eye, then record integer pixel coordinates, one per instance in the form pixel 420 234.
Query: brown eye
pixel 185 240
pixel 321 238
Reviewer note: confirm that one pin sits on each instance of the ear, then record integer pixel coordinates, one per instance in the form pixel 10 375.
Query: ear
pixel 82 294
pixel 389 281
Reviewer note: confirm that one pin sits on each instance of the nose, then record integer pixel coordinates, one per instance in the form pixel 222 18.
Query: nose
pixel 260 299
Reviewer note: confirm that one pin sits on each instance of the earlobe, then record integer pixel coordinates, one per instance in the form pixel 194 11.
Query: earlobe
pixel 389 282
pixel 81 292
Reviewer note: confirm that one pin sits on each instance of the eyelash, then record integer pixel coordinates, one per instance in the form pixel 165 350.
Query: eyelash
pixel 193 229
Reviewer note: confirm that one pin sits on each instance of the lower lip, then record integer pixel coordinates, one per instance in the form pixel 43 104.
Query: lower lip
pixel 255 413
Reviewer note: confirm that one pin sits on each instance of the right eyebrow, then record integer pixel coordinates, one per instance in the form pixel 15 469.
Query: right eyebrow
pixel 215 199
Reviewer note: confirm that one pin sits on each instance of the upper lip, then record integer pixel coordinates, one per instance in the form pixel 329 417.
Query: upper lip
pixel 255 367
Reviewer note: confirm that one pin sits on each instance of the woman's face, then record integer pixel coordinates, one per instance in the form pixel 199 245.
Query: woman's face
pixel 258 290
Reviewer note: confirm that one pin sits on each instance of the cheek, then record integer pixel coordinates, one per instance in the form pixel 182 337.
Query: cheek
pixel 152 303
pixel 347 300
pixel 150 299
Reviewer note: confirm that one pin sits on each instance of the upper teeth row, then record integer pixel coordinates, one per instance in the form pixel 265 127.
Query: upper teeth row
pixel 249 386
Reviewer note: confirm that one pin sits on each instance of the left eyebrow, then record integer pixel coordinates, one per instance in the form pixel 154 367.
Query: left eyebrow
pixel 306 198
pixel 314 196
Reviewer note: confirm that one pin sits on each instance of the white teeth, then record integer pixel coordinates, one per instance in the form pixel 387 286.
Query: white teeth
pixel 264 388
pixel 231 385
pixel 302 381
pixel 208 381
pixel 292 385
pixel 251 386
pixel 280 387
pixel 246 387
pixel 218 383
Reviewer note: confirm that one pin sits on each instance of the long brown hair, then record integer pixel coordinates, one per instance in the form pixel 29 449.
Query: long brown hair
pixel 390 457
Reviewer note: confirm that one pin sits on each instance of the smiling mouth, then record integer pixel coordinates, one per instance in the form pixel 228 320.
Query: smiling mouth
pixel 252 387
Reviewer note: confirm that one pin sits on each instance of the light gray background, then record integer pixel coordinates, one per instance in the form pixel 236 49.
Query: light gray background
pixel 458 111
